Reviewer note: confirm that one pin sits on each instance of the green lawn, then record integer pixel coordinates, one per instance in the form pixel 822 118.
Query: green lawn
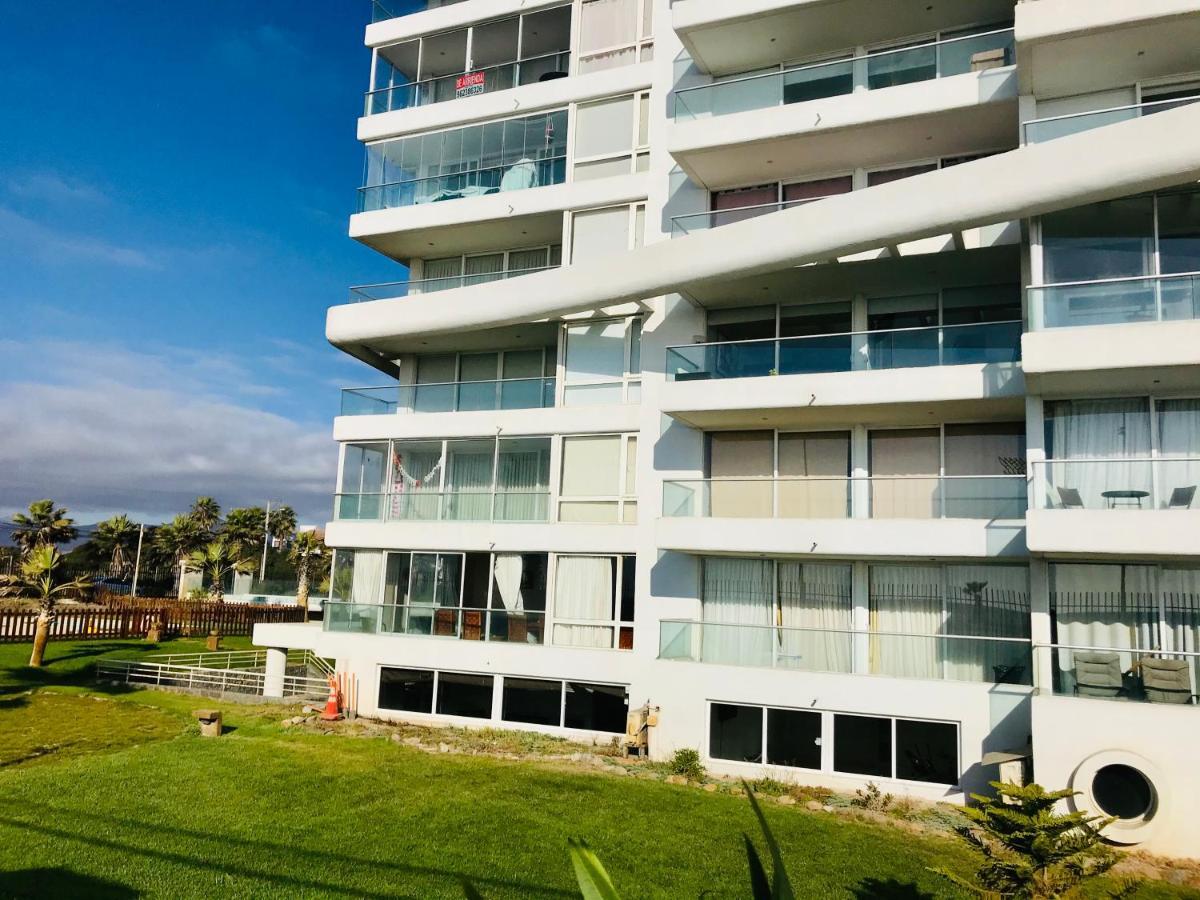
pixel 151 809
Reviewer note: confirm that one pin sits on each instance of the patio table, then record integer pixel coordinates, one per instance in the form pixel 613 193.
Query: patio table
pixel 1128 498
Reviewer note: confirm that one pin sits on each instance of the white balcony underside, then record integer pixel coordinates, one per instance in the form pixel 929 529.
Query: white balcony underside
pixel 844 538
pixel 943 117
pixel 610 419
pixel 502 537
pixel 1114 161
pixel 725 38
pixel 1150 533
pixel 447 18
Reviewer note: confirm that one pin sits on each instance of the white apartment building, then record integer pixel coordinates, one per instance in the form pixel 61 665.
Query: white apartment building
pixel 823 373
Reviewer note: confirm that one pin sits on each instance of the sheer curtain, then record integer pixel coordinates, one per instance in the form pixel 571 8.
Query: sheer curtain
pixel 1116 429
pixel 987 601
pixel 815 597
pixel 523 484
pixel 507 572
pixel 469 484
pixel 368 571
pixel 906 599
pixel 606 24
pixel 416 477
pixel 441 274
pixel 737 592
pixel 583 589
pixel 1178 439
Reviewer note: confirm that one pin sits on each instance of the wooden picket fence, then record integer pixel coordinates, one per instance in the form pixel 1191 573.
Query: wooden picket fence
pixel 132 619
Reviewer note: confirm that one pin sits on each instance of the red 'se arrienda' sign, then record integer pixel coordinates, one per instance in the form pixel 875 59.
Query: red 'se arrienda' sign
pixel 471 83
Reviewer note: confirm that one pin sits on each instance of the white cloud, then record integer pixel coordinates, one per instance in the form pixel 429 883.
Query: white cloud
pixel 49 186
pixel 50 244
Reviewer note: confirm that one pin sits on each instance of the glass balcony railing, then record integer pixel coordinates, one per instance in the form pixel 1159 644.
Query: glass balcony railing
pixel 693 222
pixel 428 620
pixel 546 67
pixel 887 68
pixel 397 290
pixel 1039 131
pixel 454 396
pixel 520 175
pixel 1115 301
pixel 907 497
pixel 420 505
pixel 989 660
pixel 1167 677
pixel 382 10
pixel 1162 483
pixel 900 348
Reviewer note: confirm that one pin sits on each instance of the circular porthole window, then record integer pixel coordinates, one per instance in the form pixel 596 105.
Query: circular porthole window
pixel 1123 791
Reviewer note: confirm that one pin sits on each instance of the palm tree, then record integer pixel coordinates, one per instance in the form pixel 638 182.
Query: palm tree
pixel 116 538
pixel 305 553
pixel 245 527
pixel 220 557
pixel 283 524
pixel 38 579
pixel 207 513
pixel 45 524
pixel 178 539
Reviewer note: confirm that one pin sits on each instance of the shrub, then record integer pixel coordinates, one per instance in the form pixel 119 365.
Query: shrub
pixel 872 798
pixel 769 787
pixel 686 762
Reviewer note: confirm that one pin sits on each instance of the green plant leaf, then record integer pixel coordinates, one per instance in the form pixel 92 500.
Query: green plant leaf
pixel 760 885
pixel 594 882
pixel 782 889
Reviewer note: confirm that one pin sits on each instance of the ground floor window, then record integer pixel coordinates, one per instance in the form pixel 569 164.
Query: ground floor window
pixel 875 746
pixel 466 695
pixel 410 690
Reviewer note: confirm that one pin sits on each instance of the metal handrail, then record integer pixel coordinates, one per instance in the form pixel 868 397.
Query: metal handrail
pixel 429 384
pixel 1114 459
pixel 463 173
pixel 855 631
pixel 492 276
pixel 425 81
pixel 803 337
pixel 1112 109
pixel 771 478
pixel 1161 276
pixel 1136 650
pixel 849 59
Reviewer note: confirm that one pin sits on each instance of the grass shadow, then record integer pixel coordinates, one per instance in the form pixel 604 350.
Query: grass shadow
pixel 60 882
pixel 888 889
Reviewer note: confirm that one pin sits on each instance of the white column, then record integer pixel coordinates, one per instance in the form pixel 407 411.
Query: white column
pixel 276 669
pixel 860 486
pixel 1035 451
pixel 861 618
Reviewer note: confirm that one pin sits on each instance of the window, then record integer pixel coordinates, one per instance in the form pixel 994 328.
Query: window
pixel 599 478
pixel 735 732
pixel 504 379
pixel 612 136
pixel 408 690
pixel 927 751
pixel 862 745
pixel 595 707
pixel 533 701
pixel 360 490
pixel 602 362
pixel 464 695
pixel 481 268
pixel 615 33
pixel 592 597
pixel 607 232
pixel 794 738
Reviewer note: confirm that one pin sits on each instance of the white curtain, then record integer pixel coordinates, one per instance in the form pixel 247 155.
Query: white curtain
pixel 583 589
pixel 440 274
pixel 1180 591
pixel 906 599
pixel 816 598
pixel 607 23
pixel 1117 430
pixel 469 485
pixel 987 601
pixel 523 485
pixel 1178 439
pixel 738 594
pixel 368 570
pixel 416 478
pixel 507 571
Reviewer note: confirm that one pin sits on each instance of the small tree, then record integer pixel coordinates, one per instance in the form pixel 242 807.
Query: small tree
pixel 45 524
pixel 217 559
pixel 39 579
pixel 1028 850
pixel 305 554
pixel 179 539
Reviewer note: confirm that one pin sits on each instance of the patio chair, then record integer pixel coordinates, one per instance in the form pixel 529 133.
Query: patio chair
pixel 1068 498
pixel 1181 498
pixel 1167 680
pixel 472 625
pixel 1098 674
pixel 443 622
pixel 518 629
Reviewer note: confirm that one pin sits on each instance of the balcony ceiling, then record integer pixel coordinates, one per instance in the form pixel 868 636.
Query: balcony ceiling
pixel 765 32
pixel 467 236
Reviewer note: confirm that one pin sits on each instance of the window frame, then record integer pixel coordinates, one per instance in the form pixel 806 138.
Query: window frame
pixel 618 626
pixel 630 381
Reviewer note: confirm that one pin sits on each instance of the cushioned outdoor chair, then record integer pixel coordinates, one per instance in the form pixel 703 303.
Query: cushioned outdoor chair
pixel 1167 680
pixel 1098 674
pixel 1181 498
pixel 1069 498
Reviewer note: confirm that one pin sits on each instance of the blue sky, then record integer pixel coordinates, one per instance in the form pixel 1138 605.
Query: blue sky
pixel 175 182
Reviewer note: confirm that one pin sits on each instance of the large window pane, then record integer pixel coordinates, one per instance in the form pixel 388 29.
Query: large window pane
pixel 596 707
pixel 595 352
pixel 469 479
pixel 862 745
pixel 523 480
pixel 986 448
pixel 737 456
pixel 409 690
pixel 904 466
pixel 1098 429
pixel 584 591
pixel 927 751
pixel 460 694
pixel 794 738
pixel 607 23
pixel 1103 240
pixel 1179 232
pixel 596 233
pixel 591 466
pixel 532 700
pixel 518 598
pixel 735 732
pixel 604 128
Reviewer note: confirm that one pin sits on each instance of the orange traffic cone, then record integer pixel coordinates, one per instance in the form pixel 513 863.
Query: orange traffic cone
pixel 331 713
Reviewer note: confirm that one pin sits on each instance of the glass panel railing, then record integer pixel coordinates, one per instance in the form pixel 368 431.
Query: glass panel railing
pixel 907 497
pixel 949 345
pixel 1164 676
pixel 547 67
pixel 888 68
pixel 416 504
pixel 1038 131
pixel 456 396
pixel 1164 483
pixel 396 290
pixel 693 222
pixel 381 10
pixel 427 620
pixel 990 660
pixel 1115 301
pixel 475 183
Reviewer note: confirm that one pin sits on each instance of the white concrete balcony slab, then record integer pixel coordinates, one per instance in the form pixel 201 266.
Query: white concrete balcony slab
pixel 806 123
pixel 1065 47
pixel 501 537
pixel 724 37
pixel 400 20
pixel 479 223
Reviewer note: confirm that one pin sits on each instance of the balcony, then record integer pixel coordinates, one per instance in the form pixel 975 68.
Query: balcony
pixel 382 10
pixel 427 620
pixel 1115 301
pixel 454 396
pixel 693 222
pixel 545 67
pixel 398 290
pixel 524 174
pixel 985 660
pixel 1162 677
pixel 1115 506
pixel 908 497
pixel 1050 128
pixel 416 505
pixel 820 81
